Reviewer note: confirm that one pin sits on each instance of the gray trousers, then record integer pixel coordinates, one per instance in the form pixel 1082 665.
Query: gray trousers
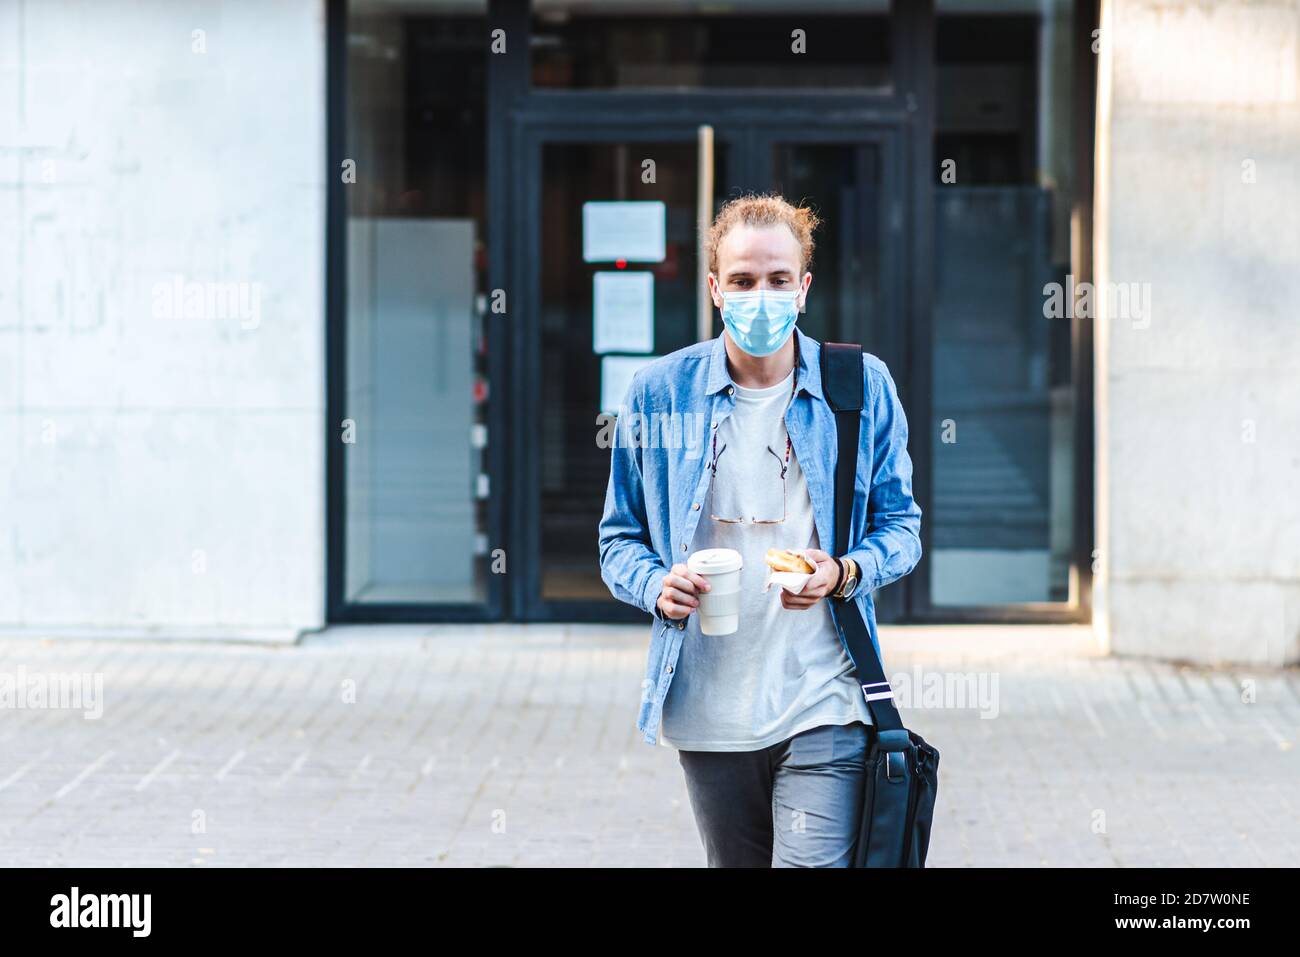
pixel 796 803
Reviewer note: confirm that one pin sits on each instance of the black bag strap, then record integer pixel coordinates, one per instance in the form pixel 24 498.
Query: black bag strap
pixel 841 368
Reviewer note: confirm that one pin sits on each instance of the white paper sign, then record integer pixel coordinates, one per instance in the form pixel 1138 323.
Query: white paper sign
pixel 615 376
pixel 630 231
pixel 623 312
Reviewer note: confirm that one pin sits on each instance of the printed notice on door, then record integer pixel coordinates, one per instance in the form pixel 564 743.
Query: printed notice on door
pixel 630 231
pixel 615 376
pixel 623 312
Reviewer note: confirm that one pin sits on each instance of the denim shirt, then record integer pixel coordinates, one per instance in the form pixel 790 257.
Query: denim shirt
pixel 658 481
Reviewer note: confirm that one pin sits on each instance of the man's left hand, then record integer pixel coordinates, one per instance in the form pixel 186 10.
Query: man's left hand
pixel 819 585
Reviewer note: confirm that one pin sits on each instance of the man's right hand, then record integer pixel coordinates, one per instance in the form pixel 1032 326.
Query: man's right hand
pixel 680 592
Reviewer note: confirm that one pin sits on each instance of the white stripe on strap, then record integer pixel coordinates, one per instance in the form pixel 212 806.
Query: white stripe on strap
pixel 877 695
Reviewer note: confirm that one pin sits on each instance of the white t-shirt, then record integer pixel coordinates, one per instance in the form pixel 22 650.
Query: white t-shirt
pixel 784 671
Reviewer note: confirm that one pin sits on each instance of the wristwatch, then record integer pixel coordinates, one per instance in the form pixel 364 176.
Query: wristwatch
pixel 848 583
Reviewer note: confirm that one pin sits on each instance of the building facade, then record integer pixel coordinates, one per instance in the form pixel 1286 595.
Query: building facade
pixel 315 312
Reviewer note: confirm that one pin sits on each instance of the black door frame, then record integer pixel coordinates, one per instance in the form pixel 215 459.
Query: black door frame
pixel 751 133
pixel 907 107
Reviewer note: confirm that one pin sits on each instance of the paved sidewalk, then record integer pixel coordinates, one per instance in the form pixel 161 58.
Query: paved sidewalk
pixel 516 745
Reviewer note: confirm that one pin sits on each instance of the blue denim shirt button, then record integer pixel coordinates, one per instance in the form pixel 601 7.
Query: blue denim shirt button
pixel 695 507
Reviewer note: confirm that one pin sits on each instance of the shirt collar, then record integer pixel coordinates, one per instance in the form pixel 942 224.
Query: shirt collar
pixel 809 374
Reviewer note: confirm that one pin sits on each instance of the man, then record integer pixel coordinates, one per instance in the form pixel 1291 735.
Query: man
pixel 769 723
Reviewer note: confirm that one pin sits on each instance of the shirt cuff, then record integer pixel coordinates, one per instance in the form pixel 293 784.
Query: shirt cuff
pixel 650 597
pixel 868 569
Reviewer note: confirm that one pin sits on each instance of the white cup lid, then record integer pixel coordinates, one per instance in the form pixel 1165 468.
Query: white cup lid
pixel 715 561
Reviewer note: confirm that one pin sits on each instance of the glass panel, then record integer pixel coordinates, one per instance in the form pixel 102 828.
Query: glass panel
pixel 1002 517
pixel 697 43
pixel 841 182
pixel 574 468
pixel 416 382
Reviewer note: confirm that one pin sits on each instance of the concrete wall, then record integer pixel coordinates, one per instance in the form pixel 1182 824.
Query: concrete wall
pixel 161 455
pixel 1198 411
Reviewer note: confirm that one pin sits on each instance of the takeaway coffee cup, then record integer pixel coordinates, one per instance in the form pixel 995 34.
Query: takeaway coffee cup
pixel 720 605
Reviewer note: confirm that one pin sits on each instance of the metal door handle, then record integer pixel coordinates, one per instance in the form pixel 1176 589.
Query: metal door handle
pixel 703 219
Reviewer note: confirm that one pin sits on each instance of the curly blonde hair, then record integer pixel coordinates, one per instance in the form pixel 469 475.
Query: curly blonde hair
pixel 763 209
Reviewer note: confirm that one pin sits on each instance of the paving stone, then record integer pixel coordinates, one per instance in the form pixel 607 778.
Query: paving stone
pixel 516 746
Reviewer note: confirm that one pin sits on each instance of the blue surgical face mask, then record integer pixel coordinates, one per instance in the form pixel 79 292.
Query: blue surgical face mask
pixel 760 321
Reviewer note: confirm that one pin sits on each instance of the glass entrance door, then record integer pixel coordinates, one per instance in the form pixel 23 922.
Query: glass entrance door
pixel 609 271
pixel 474 338
pixel 859 262
pixel 608 268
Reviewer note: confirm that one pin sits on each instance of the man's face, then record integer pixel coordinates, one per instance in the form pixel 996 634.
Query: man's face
pixel 759 257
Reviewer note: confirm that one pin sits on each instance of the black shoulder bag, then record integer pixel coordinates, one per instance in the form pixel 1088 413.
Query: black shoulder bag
pixel 902 770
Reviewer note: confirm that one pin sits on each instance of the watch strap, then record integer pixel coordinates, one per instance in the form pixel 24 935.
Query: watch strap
pixel 848 572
